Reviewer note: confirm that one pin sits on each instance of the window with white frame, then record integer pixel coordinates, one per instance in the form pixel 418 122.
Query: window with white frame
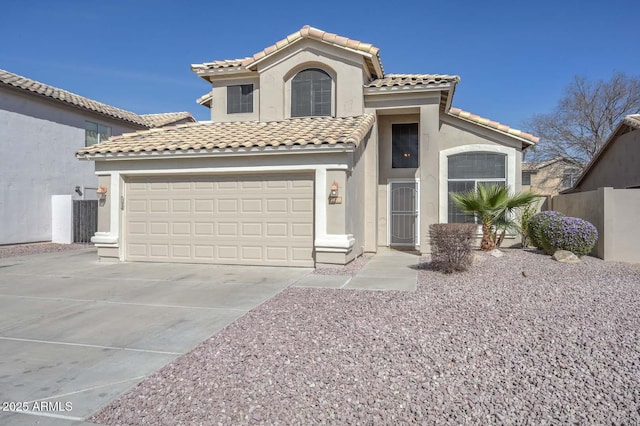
pixel 240 98
pixel 466 171
pixel 311 93
pixel 95 133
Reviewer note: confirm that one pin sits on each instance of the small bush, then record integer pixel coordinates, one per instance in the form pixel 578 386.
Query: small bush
pixel 569 233
pixel 451 246
pixel 538 222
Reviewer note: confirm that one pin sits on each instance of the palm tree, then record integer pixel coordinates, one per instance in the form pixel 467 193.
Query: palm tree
pixel 493 204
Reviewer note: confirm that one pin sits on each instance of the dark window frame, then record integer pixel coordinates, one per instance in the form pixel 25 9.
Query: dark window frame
pixel 312 93
pixel 405 146
pixel 240 99
pixel 526 178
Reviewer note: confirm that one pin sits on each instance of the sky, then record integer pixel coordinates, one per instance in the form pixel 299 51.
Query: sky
pixel 514 58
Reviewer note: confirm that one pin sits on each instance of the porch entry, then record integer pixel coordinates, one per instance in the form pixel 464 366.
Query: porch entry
pixel 404 213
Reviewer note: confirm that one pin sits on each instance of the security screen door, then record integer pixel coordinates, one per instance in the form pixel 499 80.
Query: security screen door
pixel 403 213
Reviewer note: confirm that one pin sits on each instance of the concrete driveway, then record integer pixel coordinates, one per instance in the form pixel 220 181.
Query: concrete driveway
pixel 76 333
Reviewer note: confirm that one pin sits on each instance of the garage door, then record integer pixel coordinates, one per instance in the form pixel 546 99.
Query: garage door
pixel 244 220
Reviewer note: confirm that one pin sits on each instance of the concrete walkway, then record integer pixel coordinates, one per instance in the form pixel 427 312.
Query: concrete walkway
pixel 388 270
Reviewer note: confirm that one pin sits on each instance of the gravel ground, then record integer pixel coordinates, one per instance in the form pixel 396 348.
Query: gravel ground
pixel 37 248
pixel 349 269
pixel 488 346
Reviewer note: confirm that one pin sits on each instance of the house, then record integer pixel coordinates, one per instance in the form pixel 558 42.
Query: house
pixel 313 156
pixel 607 194
pixel 617 162
pixel 550 177
pixel 41 127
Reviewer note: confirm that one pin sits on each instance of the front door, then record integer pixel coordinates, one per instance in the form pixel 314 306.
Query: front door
pixel 404 212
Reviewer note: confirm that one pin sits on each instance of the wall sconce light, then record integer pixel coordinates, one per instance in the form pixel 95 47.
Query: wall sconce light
pixel 102 193
pixel 78 190
pixel 334 198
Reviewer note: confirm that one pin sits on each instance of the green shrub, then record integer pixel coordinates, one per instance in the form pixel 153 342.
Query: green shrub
pixel 451 246
pixel 569 233
pixel 521 225
pixel 537 222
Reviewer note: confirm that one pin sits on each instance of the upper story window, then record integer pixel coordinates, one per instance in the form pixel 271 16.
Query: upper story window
pixel 526 178
pixel 468 170
pixel 95 133
pixel 569 177
pixel 404 146
pixel 311 93
pixel 240 98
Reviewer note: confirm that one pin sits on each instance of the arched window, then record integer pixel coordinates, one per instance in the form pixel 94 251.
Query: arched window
pixel 466 171
pixel 311 93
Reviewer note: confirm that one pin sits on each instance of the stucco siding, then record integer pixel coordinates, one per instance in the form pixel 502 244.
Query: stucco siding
pixel 614 212
pixel 39 139
pixel 219 100
pixel 618 166
pixel 276 73
pixel 356 198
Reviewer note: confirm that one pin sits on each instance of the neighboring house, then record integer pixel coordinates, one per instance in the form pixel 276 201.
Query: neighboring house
pixel 617 163
pixel 550 177
pixel 41 127
pixel 313 155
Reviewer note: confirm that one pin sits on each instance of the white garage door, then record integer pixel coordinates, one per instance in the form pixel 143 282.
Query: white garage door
pixel 244 220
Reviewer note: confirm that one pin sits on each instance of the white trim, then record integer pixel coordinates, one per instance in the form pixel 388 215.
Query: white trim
pixel 335 243
pixel 444 170
pixel 417 204
pixel 104 239
pixel 320 213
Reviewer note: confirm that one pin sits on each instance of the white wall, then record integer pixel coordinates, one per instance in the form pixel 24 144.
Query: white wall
pixel 39 139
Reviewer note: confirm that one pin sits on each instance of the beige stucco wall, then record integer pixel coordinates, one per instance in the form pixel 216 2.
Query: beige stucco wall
pixel 548 179
pixel 618 166
pixel 356 197
pixel 104 206
pixel 345 68
pixel 219 99
pixel 614 212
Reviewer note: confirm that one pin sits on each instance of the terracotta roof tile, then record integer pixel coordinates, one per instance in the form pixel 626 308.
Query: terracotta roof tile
pixel 35 87
pixel 166 118
pixel 208 136
pixel 226 63
pixel 206 99
pixel 391 80
pixel 16 81
pixel 633 120
pixel 304 32
pixel 503 128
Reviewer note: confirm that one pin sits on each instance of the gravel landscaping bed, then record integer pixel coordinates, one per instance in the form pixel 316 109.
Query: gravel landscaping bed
pixel 351 268
pixel 488 346
pixel 38 248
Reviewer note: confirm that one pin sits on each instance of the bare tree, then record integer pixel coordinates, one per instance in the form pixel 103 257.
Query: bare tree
pixel 585 116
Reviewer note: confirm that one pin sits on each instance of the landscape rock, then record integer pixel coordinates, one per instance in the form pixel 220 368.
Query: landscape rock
pixel 565 256
pixel 496 253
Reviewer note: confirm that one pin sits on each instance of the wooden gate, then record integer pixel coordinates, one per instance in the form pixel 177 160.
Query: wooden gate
pixel 85 220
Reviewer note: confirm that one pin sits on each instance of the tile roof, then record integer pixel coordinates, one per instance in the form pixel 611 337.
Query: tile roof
pixel 390 80
pixel 226 63
pixel 19 82
pixel 206 99
pixel 8 79
pixel 165 118
pixel 207 136
pixel 372 53
pixel 503 128
pixel 632 120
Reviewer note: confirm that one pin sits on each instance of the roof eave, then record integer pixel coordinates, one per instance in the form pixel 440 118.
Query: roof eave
pixel 526 143
pixel 406 88
pixel 255 150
